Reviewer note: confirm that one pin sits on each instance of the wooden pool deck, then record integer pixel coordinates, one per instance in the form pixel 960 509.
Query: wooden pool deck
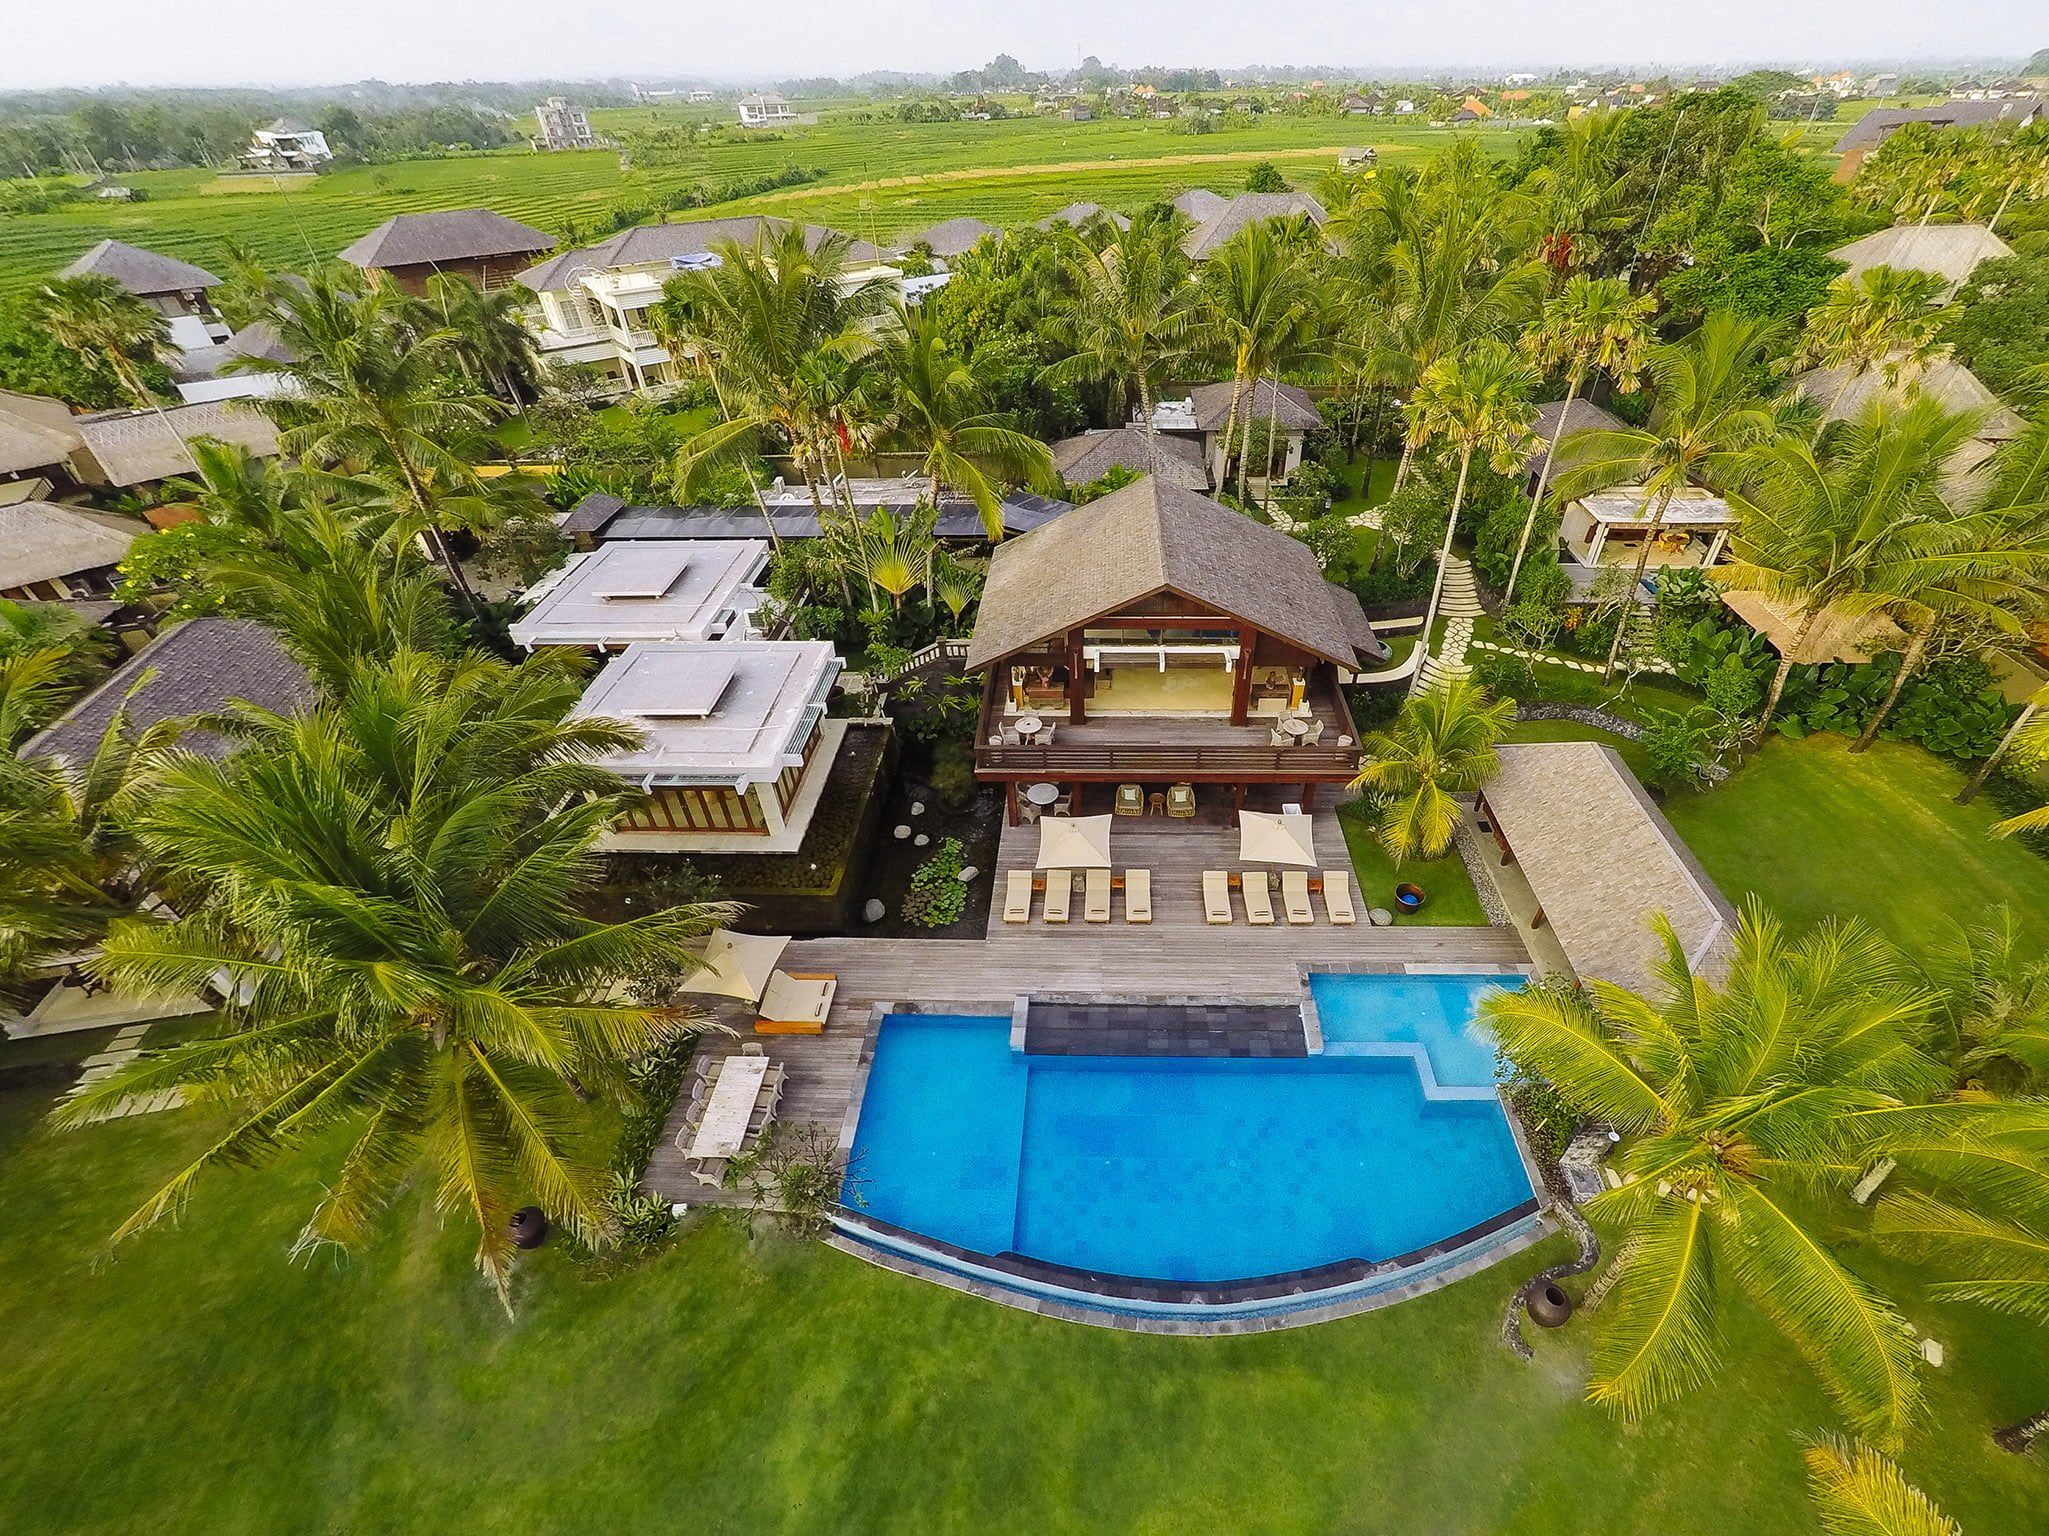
pixel 1178 955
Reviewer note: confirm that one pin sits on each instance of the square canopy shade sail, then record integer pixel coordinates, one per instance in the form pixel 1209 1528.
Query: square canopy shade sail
pixel 737 964
pixel 1285 839
pixel 1074 842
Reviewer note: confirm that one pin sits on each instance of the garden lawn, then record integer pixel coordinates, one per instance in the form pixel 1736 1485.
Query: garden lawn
pixel 1452 901
pixel 205 1383
pixel 1818 831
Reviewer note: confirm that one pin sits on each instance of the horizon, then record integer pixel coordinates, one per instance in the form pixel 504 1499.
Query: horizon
pixel 126 45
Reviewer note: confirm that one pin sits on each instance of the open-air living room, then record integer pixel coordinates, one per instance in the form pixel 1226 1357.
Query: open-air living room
pixel 1611 527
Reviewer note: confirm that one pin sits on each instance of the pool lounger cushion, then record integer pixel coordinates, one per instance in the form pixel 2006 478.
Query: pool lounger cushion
pixel 1017 896
pixel 1095 897
pixel 1059 895
pixel 1259 907
pixel 1337 897
pixel 1216 895
pixel 1295 896
pixel 796 1003
pixel 1138 895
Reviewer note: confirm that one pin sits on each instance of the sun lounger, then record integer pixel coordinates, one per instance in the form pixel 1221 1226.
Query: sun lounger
pixel 1337 897
pixel 1295 896
pixel 1095 896
pixel 1059 895
pixel 1138 895
pixel 796 1003
pixel 1017 896
pixel 1216 895
pixel 1259 907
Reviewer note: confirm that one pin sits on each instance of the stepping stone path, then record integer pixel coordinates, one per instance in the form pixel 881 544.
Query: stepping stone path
pixel 1460 606
pixel 122 1049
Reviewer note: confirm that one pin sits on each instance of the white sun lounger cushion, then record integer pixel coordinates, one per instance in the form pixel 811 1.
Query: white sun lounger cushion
pixel 1059 895
pixel 1259 907
pixel 1216 895
pixel 1017 897
pixel 1138 895
pixel 1337 897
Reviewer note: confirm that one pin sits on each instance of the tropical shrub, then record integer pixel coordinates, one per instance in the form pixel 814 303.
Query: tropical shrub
pixel 938 896
pixel 953 773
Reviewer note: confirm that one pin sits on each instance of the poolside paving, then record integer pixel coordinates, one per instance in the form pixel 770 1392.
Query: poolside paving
pixel 1175 958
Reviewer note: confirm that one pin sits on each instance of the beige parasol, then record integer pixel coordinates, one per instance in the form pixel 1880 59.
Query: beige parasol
pixel 1074 842
pixel 1285 839
pixel 737 964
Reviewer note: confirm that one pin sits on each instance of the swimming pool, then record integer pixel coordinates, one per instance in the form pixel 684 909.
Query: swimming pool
pixel 1205 1171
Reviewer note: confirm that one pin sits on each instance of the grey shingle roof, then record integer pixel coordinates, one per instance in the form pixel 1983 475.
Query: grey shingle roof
pixel 955 237
pixel 132 447
pixel 143 273
pixel 1950 251
pixel 1943 379
pixel 460 234
pixel 1092 455
pixel 958 519
pixel 42 541
pixel 1199 203
pixel 1147 537
pixel 1291 407
pixel 1586 417
pixel 1079 214
pixel 1877 125
pixel 200 667
pixel 1248 208
pixel 590 515
pixel 35 432
pixel 647 244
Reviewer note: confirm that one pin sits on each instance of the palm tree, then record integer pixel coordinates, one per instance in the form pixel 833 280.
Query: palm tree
pixel 1479 402
pixel 376 397
pixel 939 406
pixel 1826 529
pixel 94 315
pixel 1595 326
pixel 492 339
pixel 1130 321
pixel 757 317
pixel 1707 420
pixel 1256 303
pixel 890 556
pixel 1858 1492
pixel 388 888
pixel 2037 701
pixel 2030 743
pixel 1740 1102
pixel 1441 745
pixel 1883 316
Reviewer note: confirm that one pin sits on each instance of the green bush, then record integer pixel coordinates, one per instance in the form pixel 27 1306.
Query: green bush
pixel 953 773
pixel 938 896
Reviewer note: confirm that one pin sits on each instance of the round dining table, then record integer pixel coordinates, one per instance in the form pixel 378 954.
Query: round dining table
pixel 1042 794
pixel 1029 725
pixel 1295 725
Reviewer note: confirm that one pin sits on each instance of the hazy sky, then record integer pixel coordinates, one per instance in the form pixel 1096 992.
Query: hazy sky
pixel 98 42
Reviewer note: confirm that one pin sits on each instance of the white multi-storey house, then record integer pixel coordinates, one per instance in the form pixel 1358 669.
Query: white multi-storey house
pixel 766 109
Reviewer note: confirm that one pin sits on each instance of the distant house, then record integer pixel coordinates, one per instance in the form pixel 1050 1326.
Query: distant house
pixel 486 247
pixel 1078 214
pixel 1080 112
pixel 38 446
pixel 1844 397
pixel 1359 106
pixel 700 97
pixel 213 373
pixel 593 300
pixel 1199 203
pixel 1085 459
pixel 602 519
pixel 175 289
pixel 736 745
pixel 1356 159
pixel 563 125
pixel 634 590
pixel 1552 423
pixel 1290 409
pixel 287 145
pixel 765 109
pixel 1881 123
pixel 52 552
pixel 1949 251
pixel 955 237
pixel 1249 208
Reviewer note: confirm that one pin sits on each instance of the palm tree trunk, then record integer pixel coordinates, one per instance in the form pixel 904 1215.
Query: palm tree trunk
pixel 1977 781
pixel 1458 497
pixel 1231 421
pixel 1152 435
pixel 1992 226
pixel 1245 436
pixel 430 533
pixel 1771 699
pixel 1401 470
pixel 1372 441
pixel 1273 415
pixel 1543 483
pixel 2019 1438
pixel 1909 665
pixel 1643 559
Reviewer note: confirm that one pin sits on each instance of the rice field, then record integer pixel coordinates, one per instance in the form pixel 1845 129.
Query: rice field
pixel 1000 171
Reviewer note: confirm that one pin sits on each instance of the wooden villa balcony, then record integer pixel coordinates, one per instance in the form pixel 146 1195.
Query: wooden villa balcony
pixel 1168 748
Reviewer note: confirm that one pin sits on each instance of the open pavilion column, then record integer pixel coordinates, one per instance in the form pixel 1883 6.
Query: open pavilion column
pixel 1077 681
pixel 1716 546
pixel 1241 675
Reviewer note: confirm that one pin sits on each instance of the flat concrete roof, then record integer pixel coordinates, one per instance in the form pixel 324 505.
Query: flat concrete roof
pixel 715 712
pixel 1602 861
pixel 645 589
pixel 1693 507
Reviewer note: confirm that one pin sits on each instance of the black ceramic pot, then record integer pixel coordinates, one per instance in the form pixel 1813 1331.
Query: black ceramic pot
pixel 529 1227
pixel 1549 1306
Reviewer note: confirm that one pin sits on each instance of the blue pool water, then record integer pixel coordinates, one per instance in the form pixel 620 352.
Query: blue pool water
pixel 1435 1012
pixel 1189 1169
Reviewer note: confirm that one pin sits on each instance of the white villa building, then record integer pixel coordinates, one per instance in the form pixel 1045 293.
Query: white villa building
pixel 766 109
pixel 287 145
pixel 1610 527
pixel 563 125
pixel 592 302
pixel 637 590
pixel 737 745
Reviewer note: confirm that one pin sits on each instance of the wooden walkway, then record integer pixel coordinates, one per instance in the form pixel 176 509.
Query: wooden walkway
pixel 1178 955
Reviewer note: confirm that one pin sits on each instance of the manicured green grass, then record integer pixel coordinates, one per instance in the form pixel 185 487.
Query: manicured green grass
pixel 1819 831
pixel 1452 901
pixel 203 1382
